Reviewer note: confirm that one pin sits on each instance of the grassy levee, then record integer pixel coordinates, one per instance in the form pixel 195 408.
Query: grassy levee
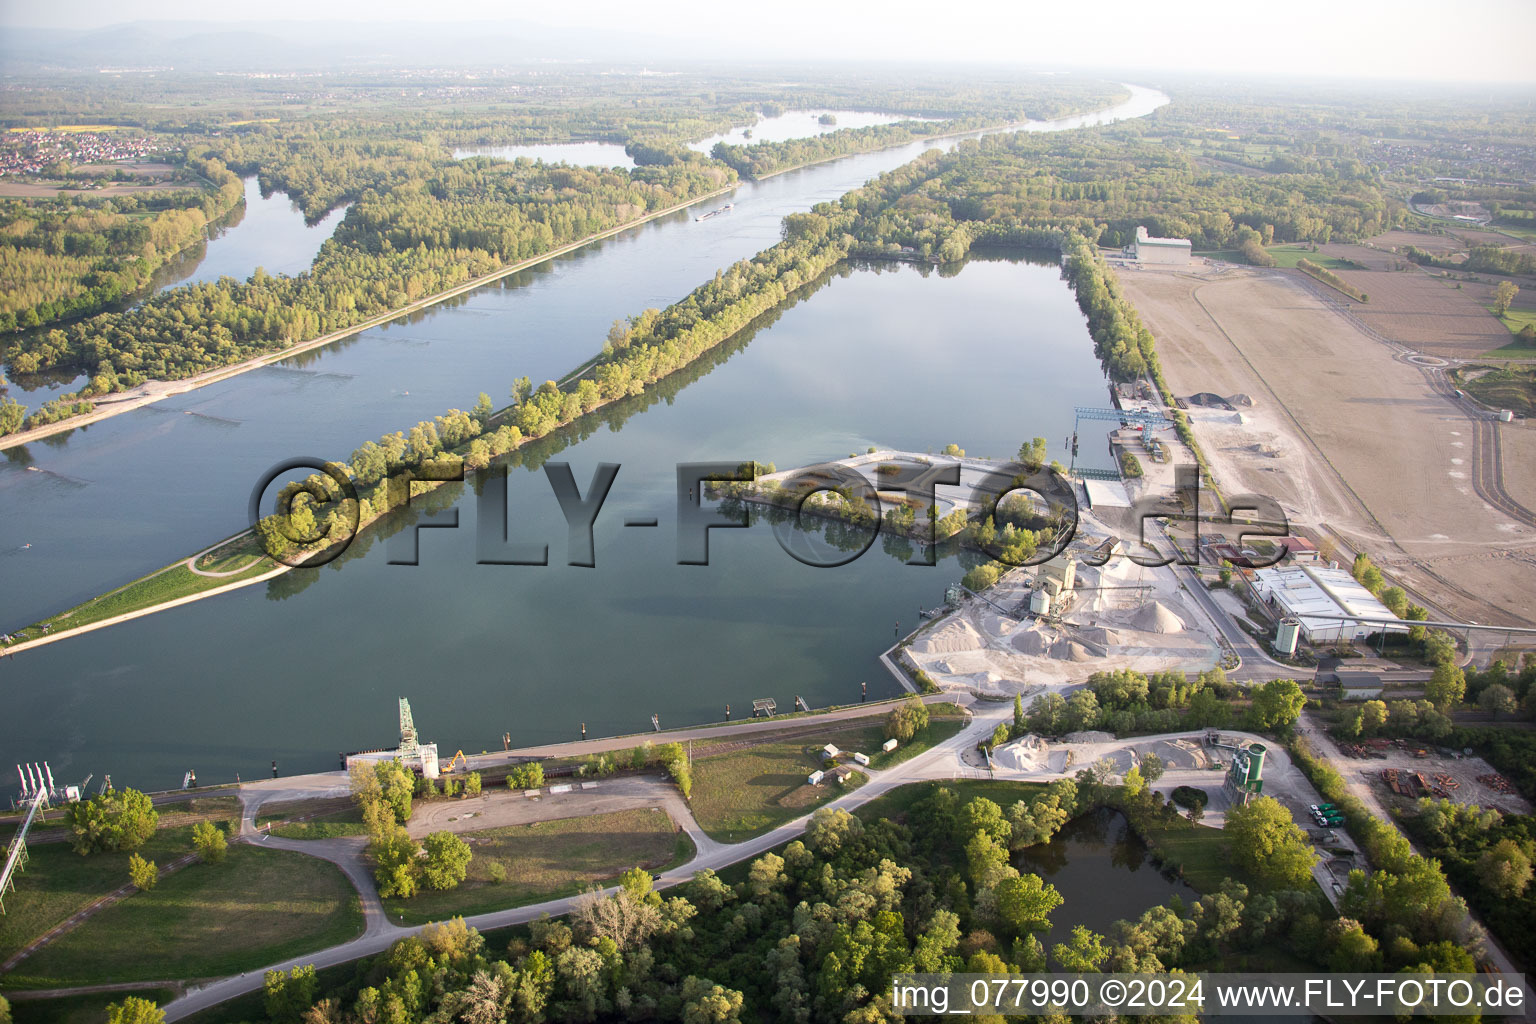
pixel 548 859
pixel 206 920
pixel 171 583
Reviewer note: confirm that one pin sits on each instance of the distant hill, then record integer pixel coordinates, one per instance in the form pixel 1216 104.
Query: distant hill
pixel 322 45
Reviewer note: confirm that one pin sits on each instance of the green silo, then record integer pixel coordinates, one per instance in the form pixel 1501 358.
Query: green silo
pixel 1255 763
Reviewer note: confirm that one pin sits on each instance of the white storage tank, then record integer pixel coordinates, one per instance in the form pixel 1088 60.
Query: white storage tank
pixel 861 759
pixel 815 778
pixel 888 746
pixel 1286 636
pixel 1040 603
pixel 1506 416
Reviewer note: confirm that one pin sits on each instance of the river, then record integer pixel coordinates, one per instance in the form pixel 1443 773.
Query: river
pixel 899 357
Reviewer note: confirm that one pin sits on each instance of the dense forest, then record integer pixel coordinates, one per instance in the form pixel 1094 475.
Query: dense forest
pixel 816 930
pixel 431 232
pixel 76 254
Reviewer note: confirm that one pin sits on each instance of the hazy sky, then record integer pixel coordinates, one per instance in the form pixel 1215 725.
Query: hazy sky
pixel 1476 40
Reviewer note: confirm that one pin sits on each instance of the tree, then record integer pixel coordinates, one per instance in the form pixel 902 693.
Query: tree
pixel 1083 953
pixel 1019 725
pixel 289 994
pixel 1026 902
pixel 396 867
pixel 979 814
pixel 1277 704
pixel 134 1010
pixel 12 415
pixel 908 719
pixel 1505 869
pixel 529 775
pixel 472 784
pixel 704 1002
pixel 1266 842
pixel 1082 711
pixel 1498 699
pixel 1033 452
pixel 447 860
pixel 209 842
pixel 1151 768
pixel 1447 685
pixel 1396 598
pixel 1503 296
pixel 397 785
pixel 1132 782
pixel 142 873
pixel 1048 714
pixel 118 820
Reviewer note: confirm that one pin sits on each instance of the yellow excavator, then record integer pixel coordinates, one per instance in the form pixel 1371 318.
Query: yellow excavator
pixel 459 760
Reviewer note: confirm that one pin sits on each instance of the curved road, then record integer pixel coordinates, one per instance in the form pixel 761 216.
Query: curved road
pixel 941 762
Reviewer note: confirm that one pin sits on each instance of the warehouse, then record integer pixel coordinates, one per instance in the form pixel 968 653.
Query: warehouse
pixel 1308 591
pixel 1147 249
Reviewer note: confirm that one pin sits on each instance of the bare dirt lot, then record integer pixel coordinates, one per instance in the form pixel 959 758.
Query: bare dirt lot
pixel 1464 780
pixel 1415 308
pixel 1345 432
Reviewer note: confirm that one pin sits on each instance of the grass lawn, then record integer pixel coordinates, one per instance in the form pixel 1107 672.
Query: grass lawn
pixel 1201 851
pixel 322 819
pixel 744 793
pixel 548 859
pixel 205 920
pixel 58 882
pixel 1285 256
pixel 90 1008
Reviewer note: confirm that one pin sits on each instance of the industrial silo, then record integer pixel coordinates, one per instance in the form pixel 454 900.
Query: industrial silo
pixel 1287 635
pixel 1255 764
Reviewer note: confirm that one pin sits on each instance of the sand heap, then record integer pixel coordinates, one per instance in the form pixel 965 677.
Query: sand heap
pixel 1156 617
pixel 1031 641
pixel 1069 650
pixel 954 636
pixel 1027 754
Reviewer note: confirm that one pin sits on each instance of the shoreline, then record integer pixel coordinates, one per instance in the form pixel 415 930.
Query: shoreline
pixel 152 391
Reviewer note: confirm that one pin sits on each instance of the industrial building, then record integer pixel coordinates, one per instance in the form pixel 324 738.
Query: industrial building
pixel 1245 775
pixel 1149 249
pixel 1304 592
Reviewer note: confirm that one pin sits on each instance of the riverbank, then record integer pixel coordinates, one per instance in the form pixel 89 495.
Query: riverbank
pixel 153 391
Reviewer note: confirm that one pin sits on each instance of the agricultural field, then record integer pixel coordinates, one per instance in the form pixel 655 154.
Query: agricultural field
pixel 1417 308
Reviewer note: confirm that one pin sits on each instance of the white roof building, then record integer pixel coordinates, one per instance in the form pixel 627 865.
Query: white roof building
pixel 1309 591
pixel 1150 249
